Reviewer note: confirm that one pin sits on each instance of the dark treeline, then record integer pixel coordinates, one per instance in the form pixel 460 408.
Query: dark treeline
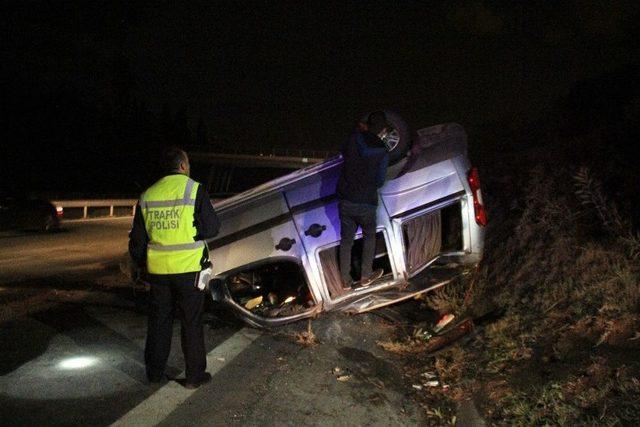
pixel 66 142
pixel 60 143
pixel 596 125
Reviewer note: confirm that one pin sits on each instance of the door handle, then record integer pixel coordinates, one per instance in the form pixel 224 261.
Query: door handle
pixel 285 244
pixel 315 230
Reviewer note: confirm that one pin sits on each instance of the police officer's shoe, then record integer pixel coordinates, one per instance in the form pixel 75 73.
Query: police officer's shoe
pixel 157 379
pixel 204 378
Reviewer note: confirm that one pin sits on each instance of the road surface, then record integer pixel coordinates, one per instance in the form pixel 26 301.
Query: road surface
pixel 72 339
pixel 80 246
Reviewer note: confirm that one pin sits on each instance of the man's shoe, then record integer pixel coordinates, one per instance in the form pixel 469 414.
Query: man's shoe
pixel 204 378
pixel 372 278
pixel 347 286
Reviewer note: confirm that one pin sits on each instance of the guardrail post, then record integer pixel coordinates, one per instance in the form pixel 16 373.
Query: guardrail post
pixel 96 203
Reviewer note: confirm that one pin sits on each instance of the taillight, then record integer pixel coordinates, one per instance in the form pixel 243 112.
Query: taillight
pixel 478 207
pixel 59 211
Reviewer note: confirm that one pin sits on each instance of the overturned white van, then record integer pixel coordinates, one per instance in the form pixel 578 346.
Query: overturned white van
pixel 275 259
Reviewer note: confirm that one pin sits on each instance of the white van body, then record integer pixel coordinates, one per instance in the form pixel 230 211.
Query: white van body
pixel 427 215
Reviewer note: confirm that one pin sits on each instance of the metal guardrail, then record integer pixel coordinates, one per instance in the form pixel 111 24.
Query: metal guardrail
pixel 286 158
pixel 245 160
pixel 263 151
pixel 96 203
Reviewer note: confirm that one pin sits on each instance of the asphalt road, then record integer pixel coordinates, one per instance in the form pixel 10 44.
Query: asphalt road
pixel 84 246
pixel 72 339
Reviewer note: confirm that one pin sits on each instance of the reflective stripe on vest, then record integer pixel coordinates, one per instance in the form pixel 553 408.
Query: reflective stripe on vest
pixel 179 247
pixel 168 210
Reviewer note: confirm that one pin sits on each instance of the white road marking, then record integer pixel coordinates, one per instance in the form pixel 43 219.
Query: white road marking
pixel 159 405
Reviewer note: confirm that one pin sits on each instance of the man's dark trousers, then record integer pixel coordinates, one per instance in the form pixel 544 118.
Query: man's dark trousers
pixel 353 215
pixel 165 289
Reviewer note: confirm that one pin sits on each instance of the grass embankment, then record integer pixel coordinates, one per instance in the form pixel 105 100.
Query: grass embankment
pixel 562 266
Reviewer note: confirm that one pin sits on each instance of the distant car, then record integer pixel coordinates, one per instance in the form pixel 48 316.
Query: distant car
pixel 21 213
pixel 276 257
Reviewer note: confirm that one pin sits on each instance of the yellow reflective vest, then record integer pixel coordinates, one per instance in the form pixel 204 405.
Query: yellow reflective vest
pixel 167 208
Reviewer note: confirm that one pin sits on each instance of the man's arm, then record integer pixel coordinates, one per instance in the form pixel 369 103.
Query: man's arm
pixel 138 239
pixel 207 222
pixel 366 150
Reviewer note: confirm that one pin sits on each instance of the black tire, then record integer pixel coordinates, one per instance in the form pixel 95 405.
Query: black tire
pixel 403 132
pixel 48 223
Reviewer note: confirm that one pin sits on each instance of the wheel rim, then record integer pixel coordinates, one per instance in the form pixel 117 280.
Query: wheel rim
pixel 391 140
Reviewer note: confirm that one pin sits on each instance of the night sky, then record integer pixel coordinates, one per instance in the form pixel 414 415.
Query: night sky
pixel 91 89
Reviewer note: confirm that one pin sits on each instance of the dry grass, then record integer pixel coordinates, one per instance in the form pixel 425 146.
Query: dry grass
pixel 415 343
pixel 562 262
pixel 404 347
pixel 573 292
pixel 449 299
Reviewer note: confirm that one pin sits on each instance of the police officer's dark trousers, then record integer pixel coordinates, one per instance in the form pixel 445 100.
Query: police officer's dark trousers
pixel 168 293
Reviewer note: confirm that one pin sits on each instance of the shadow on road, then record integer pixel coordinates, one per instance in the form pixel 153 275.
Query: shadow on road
pixel 22 342
pixel 82 411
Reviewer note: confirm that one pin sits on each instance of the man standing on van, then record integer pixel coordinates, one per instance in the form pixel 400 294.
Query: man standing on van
pixel 363 172
pixel 172 219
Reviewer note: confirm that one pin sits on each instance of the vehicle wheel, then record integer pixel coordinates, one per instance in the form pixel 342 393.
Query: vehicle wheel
pixel 48 223
pixel 401 136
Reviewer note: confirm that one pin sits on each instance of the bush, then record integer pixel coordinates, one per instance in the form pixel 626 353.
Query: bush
pixel 562 263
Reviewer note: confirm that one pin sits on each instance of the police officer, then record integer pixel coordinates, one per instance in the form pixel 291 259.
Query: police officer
pixel 172 219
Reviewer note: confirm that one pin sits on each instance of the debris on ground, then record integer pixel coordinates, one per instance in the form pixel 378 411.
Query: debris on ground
pixel 440 341
pixel 342 375
pixel 430 380
pixel 306 338
pixel 422 334
pixel 429 375
pixel 424 342
pixel 442 322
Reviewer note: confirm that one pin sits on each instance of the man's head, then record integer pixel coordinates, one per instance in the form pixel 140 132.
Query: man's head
pixel 175 160
pixel 377 123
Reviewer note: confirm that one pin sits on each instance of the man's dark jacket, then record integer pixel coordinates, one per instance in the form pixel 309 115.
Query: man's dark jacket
pixel 364 168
